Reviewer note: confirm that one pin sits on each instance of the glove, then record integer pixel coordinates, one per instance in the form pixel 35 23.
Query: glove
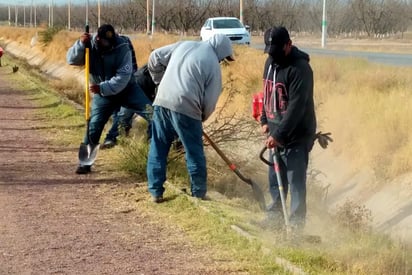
pixel 323 139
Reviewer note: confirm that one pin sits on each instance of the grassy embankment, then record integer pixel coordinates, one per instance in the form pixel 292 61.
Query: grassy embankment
pixel 354 101
pixel 365 106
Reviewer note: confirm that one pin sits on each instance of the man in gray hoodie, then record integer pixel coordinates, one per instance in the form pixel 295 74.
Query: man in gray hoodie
pixel 190 86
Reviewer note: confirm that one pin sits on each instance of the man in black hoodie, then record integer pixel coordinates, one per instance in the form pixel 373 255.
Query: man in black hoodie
pixel 288 119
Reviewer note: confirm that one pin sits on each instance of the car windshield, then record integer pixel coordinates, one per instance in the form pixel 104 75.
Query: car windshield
pixel 226 24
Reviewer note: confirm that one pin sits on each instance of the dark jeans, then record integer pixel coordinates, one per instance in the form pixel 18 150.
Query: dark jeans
pixel 293 164
pixel 122 118
pixel 132 97
pixel 166 125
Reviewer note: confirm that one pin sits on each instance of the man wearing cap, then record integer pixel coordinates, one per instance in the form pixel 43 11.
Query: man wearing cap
pixel 288 120
pixel 190 84
pixel 111 79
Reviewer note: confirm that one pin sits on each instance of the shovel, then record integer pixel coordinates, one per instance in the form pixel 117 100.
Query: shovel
pixel 257 192
pixel 87 152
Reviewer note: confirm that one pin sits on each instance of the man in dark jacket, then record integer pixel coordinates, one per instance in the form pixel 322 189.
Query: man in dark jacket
pixel 123 117
pixel 111 80
pixel 288 120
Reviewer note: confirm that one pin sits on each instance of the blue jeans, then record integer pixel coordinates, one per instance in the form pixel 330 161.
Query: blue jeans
pixel 123 118
pixel 131 97
pixel 166 125
pixel 293 164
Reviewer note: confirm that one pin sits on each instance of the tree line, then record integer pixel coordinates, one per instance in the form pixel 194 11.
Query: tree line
pixel 344 17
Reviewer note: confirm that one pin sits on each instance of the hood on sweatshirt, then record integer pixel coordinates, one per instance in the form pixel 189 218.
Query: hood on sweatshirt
pixel 298 54
pixel 222 46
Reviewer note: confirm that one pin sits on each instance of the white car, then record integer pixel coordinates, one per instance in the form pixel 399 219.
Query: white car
pixel 230 26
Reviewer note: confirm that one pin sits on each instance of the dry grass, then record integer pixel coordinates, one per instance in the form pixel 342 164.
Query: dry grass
pixel 365 106
pixel 355 101
pixel 367 109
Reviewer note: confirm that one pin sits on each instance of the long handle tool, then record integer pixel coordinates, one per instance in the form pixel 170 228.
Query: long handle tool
pixel 257 192
pixel 87 152
pixel 276 167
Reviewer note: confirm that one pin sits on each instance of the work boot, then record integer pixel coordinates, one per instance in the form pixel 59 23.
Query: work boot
pixel 83 169
pixel 157 199
pixel 108 144
pixel 203 198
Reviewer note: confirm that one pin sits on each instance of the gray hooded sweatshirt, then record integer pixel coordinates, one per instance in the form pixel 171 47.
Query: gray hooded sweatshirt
pixel 190 75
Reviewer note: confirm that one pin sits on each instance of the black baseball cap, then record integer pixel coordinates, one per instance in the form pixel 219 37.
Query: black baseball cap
pixel 276 36
pixel 106 31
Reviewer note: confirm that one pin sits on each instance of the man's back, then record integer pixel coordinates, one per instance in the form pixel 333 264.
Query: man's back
pixel 193 67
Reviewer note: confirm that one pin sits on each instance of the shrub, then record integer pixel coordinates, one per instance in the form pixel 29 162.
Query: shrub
pixel 47 35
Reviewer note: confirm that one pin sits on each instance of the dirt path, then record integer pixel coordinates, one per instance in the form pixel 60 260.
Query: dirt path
pixel 55 222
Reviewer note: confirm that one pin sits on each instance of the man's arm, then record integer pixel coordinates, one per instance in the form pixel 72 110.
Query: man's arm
pixel 75 54
pixel 119 81
pixel 158 61
pixel 211 94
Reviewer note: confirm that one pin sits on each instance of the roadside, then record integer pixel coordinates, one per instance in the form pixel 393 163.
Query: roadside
pixel 53 221
pixel 113 202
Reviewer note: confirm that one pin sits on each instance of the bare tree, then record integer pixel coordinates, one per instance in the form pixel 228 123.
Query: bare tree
pixel 374 17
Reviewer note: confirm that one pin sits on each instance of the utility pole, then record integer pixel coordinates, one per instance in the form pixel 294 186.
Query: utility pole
pixel 16 15
pixel 87 12
pixel 68 15
pixel 9 16
pixel 35 16
pixel 148 17
pixel 49 13
pixel 153 17
pixel 324 25
pixel 98 13
pixel 241 11
pixel 31 14
pixel 52 13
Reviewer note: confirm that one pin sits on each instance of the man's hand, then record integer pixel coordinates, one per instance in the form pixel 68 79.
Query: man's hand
pixel 271 142
pixel 265 129
pixel 85 38
pixel 94 88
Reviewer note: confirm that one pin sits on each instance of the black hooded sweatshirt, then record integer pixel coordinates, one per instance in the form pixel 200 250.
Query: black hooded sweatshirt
pixel 288 106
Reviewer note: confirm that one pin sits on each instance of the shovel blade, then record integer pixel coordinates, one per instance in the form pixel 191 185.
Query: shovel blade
pixel 88 153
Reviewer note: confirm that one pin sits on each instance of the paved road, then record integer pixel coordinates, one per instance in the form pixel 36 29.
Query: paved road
pixel 393 59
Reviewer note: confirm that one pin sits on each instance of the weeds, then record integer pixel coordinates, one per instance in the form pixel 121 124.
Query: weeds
pixel 355 217
pixel 354 250
pixel 48 34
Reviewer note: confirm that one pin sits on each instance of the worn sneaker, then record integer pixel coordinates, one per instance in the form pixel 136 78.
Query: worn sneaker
pixel 158 199
pixel 83 169
pixel 108 144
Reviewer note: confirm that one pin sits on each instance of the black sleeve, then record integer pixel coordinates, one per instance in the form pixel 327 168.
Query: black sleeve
pixel 300 87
